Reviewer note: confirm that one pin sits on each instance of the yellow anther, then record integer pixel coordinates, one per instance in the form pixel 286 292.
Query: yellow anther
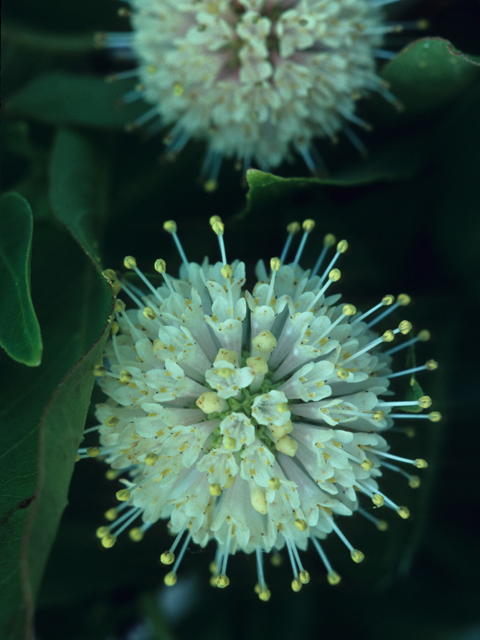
pixel 215 489
pixel 431 365
pixel 135 534
pixel 276 559
pixel 222 581
pixel 212 567
pixel 123 495
pixel 304 577
pixel 214 219
pixel 258 500
pixel 308 225
pixel 367 465
pixel 170 579
pixel 111 514
pixel 424 335
pixel 342 373
pixel 111 421
pixel 410 432
pixel 435 416
pixel 93 452
pixel 120 306
pixel 334 275
pixel 357 556
pixel 349 310
pixel 388 300
pixel 405 327
pixel 209 402
pixel 300 524
pixel 378 500
pixel 379 415
pixel 404 299
pixel 167 557
pixel 275 264
pixel 129 262
pixel 149 313
pixel 420 463
pixel 264 594
pixel 223 372
pixel 265 342
pixel 258 365
pixel 178 90
pixel 99 370
pixel 150 459
pixel 115 328
pixel 293 227
pixel 112 474
pixel 226 271
pixel 218 228
pixel 329 240
pixel 101 532
pixel 170 226
pixel 230 482
pixel 210 186
pixel 403 512
pixel 229 443
pixel 281 430
pixel 425 402
pixel 287 445
pixel 282 407
pixel 125 377
pixel 108 541
pixel 110 274
pixel 414 482
pixel 342 246
pixel 228 355
pixel 388 336
pixel 382 525
pixel 160 266
pixel 333 578
pixel 274 483
pixel 296 585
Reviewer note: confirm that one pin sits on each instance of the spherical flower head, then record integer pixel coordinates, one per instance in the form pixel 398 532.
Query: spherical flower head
pixel 256 79
pixel 251 418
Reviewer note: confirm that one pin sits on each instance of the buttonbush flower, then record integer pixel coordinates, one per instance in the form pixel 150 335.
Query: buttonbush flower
pixel 256 79
pixel 255 419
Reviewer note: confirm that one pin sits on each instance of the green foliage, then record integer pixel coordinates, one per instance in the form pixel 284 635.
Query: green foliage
pixel 19 328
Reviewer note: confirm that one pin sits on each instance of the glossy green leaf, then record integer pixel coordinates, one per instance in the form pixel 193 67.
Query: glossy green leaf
pixel 76 188
pixel 430 73
pixel 19 328
pixel 61 98
pixel 42 417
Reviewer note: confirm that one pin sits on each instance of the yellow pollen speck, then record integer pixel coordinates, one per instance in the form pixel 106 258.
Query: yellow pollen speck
pixel 301 524
pixel 342 373
pixel 150 459
pixel 215 489
pixel 125 377
pixel 274 484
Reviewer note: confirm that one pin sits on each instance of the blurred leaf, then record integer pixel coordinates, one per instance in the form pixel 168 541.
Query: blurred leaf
pixel 42 416
pixel 19 328
pixel 76 189
pixel 62 98
pixel 428 74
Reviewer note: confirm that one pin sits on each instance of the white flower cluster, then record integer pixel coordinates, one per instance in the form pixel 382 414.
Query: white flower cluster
pixel 255 78
pixel 253 419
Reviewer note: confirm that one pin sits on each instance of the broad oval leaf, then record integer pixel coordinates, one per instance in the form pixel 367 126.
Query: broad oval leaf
pixel 19 328
pixel 42 413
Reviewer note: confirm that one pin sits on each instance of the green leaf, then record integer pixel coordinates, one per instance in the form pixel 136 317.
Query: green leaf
pixel 76 189
pixel 19 328
pixel 62 98
pixel 429 74
pixel 42 416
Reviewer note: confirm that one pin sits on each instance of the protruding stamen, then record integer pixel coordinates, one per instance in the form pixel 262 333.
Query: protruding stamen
pixel 430 365
pixel 218 228
pixel 328 241
pixel 275 264
pixel 342 246
pixel 402 301
pixel 161 267
pixel 386 301
pixel 292 229
pixel 423 336
pixel 433 416
pixel 308 226
pixel 333 276
pixel 332 576
pixel 170 226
